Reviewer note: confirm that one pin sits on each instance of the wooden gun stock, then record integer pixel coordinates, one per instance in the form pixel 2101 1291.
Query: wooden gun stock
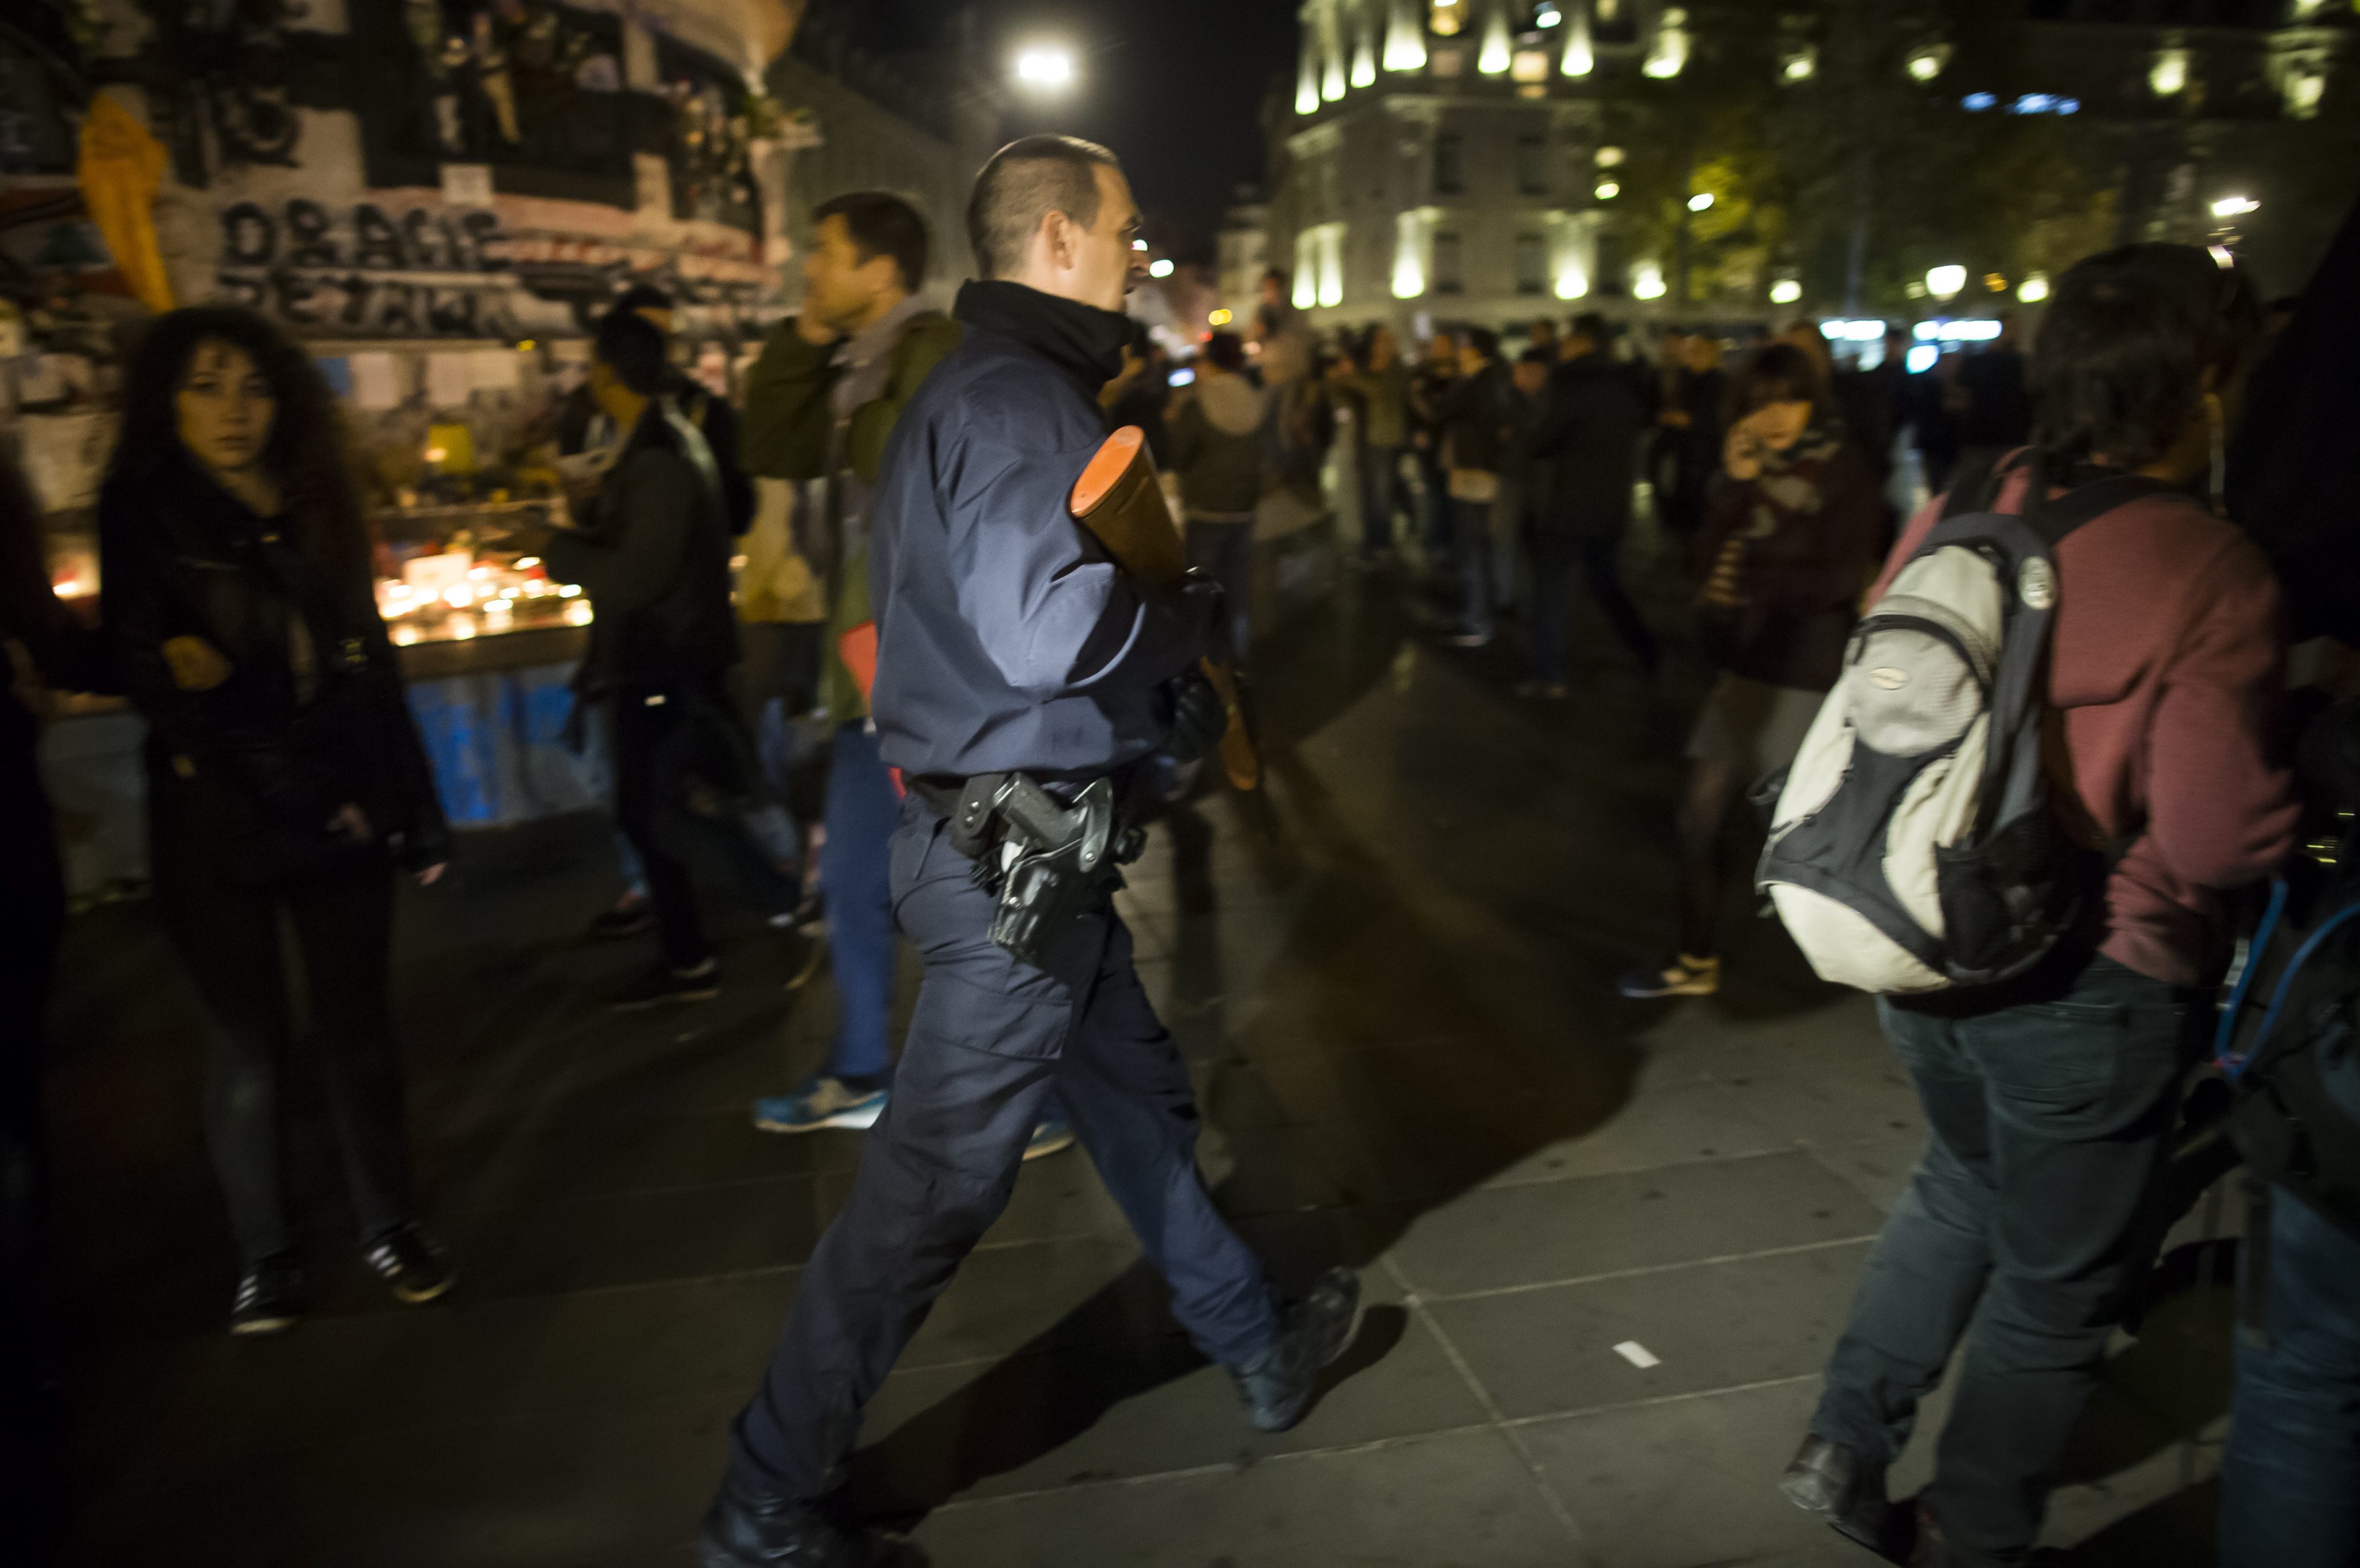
pixel 1119 500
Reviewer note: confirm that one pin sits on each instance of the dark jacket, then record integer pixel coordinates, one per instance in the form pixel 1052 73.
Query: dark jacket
pixel 1478 418
pixel 1591 418
pixel 1008 637
pixel 653 554
pixel 306 711
pixel 1802 540
pixel 1218 448
pixel 714 419
pixel 1999 405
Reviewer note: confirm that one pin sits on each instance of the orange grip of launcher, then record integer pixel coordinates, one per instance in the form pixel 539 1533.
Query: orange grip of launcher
pixel 1119 500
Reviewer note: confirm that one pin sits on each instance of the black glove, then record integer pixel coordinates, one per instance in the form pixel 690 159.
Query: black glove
pixel 1199 717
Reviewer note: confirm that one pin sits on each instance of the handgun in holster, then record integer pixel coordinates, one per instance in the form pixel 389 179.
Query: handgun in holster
pixel 1050 865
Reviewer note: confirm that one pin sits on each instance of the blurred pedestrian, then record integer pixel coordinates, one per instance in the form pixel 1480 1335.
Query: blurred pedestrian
pixel 1218 454
pixel 1429 387
pixel 1141 394
pixel 1477 420
pixel 42 644
pixel 1995 415
pixel 1588 434
pixel 821 405
pixel 1383 382
pixel 582 426
pixel 1787 545
pixel 1692 421
pixel 2051 1099
pixel 285 776
pixel 653 554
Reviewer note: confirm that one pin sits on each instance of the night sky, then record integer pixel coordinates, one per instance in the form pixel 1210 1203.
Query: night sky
pixel 1174 86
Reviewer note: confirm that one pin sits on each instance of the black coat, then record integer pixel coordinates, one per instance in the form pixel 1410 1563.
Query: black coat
pixel 1592 417
pixel 1478 418
pixel 300 710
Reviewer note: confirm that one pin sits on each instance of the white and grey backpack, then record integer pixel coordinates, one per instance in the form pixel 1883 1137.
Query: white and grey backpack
pixel 1915 847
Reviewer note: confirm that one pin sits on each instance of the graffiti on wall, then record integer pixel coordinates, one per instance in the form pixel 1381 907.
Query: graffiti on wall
pixel 422 274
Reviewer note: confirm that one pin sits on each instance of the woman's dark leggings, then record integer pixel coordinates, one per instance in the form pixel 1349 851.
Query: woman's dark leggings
pixel 228 934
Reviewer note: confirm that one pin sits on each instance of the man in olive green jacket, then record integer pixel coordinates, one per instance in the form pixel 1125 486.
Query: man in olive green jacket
pixel 820 404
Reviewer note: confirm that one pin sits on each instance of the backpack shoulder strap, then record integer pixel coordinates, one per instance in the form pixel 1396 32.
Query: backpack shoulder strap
pixel 2052 520
pixel 1976 485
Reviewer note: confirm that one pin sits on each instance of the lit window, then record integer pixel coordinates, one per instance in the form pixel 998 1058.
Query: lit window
pixel 1647 281
pixel 1802 64
pixel 1532 264
pixel 1450 164
pixel 1608 157
pixel 1447 17
pixel 1927 63
pixel 1409 256
pixel 2169 75
pixel 1530 65
pixel 1446 279
pixel 1307 88
pixel 1307 269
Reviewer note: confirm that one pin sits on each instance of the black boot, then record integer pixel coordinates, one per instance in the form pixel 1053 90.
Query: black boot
pixel 1842 1486
pixel 750 1526
pixel 1277 1384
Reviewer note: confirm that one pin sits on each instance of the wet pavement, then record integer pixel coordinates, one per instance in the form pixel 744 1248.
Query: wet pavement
pixel 1390 972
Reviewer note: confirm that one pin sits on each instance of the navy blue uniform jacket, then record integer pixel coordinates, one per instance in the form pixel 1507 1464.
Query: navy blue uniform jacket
pixel 1007 637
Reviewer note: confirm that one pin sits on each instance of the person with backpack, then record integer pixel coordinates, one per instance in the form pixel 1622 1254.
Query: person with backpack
pixel 1477 421
pixel 1788 542
pixel 2071 670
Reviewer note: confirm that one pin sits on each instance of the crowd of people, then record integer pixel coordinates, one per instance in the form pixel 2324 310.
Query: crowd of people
pixel 866 772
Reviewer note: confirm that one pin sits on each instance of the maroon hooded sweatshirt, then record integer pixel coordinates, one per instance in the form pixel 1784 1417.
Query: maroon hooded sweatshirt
pixel 2166 667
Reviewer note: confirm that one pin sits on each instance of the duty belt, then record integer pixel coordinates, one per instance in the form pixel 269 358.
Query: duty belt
pixel 1050 864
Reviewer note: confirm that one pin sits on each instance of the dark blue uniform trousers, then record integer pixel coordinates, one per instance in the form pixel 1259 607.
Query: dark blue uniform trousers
pixel 990 1040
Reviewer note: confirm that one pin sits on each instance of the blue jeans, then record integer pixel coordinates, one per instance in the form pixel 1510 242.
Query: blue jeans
pixel 2051 1121
pixel 856 869
pixel 2291 1479
pixel 1471 526
pixel 1554 557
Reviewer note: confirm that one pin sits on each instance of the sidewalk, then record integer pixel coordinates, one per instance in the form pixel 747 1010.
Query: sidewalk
pixel 1391 973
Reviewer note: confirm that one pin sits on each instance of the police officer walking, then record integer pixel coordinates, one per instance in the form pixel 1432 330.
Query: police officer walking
pixel 1021 679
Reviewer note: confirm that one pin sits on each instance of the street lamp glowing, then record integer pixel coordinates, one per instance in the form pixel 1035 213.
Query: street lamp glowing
pixel 1160 268
pixel 1785 291
pixel 1046 67
pixel 1607 191
pixel 1945 282
pixel 1700 203
pixel 2034 289
pixel 2234 206
pixel 1647 282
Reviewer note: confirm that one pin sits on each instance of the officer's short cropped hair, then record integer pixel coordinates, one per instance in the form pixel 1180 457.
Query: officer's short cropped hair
pixel 1024 182
pixel 633 348
pixel 880 224
pixel 1226 351
pixel 2119 369
pixel 644 297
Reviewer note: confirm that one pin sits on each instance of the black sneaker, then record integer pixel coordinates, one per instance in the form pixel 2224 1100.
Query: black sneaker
pixel 269 1297
pixel 1277 1384
pixel 664 984
pixel 630 916
pixel 413 1263
pixel 1843 1487
pixel 750 1527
